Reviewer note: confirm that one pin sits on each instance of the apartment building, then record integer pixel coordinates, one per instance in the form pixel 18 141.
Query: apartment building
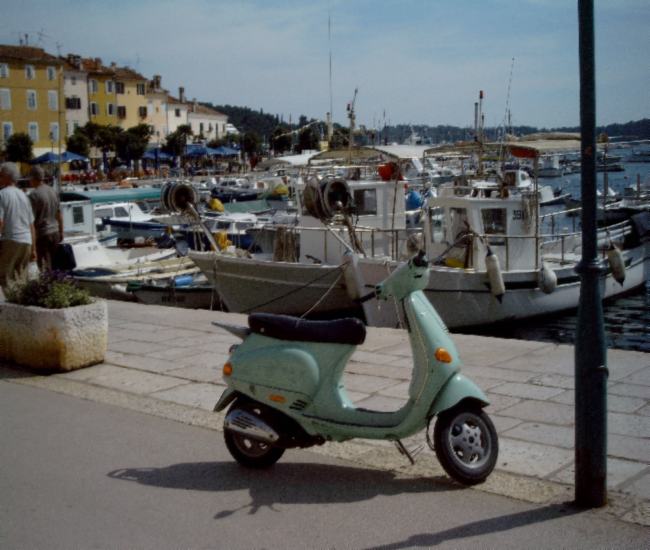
pixel 31 96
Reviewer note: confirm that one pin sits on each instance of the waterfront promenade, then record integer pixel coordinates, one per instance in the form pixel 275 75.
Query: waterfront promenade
pixel 167 362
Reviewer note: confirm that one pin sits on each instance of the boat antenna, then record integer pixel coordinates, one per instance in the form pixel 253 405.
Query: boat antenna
pixel 507 121
pixel 330 116
pixel 353 117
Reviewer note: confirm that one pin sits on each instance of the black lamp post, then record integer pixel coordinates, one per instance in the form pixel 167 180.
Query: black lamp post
pixel 590 353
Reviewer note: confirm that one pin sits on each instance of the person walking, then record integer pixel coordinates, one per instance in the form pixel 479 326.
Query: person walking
pixel 48 222
pixel 17 236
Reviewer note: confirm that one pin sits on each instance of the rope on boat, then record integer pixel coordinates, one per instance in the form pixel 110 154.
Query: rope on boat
pixel 307 284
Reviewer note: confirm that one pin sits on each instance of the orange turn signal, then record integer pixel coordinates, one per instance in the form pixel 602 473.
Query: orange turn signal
pixel 227 369
pixel 277 398
pixel 443 355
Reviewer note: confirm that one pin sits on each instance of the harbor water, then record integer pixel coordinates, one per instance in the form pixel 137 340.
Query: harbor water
pixel 627 319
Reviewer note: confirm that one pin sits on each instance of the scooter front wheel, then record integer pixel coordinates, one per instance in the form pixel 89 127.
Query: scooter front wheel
pixel 466 443
pixel 248 451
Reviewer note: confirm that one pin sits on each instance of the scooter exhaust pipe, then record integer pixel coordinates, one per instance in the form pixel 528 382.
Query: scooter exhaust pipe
pixel 250 425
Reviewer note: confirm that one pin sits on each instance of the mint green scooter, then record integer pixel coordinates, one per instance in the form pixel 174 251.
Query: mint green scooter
pixel 285 389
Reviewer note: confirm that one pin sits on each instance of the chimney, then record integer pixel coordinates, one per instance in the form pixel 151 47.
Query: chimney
pixel 181 94
pixel 156 81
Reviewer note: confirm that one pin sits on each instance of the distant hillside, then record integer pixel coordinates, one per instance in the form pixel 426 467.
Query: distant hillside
pixel 246 119
pixel 263 124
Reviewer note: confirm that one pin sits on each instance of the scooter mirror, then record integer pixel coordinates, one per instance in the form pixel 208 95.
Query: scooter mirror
pixel 420 259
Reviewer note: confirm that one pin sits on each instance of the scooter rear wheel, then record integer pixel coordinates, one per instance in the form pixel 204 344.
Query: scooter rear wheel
pixel 466 443
pixel 248 451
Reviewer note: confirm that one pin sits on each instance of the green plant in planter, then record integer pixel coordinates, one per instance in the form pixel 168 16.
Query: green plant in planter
pixel 51 290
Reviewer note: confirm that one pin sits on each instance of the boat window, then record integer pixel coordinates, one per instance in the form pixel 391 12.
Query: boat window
pixel 223 225
pixel 121 212
pixel 365 201
pixel 77 215
pixel 494 221
pixel 458 220
pixel 103 212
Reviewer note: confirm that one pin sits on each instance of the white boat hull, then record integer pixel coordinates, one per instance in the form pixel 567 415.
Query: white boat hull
pixel 463 298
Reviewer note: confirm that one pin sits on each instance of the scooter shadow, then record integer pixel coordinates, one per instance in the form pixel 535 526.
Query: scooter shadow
pixel 284 483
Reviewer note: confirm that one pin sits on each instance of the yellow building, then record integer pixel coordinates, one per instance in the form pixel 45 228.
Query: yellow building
pixel 31 96
pixel 102 99
pixel 131 88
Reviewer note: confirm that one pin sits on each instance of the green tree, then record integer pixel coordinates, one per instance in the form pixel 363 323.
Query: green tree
pixel 281 140
pixel 132 143
pixel 19 148
pixel 78 143
pixel 340 138
pixel 308 139
pixel 250 143
pixel 177 140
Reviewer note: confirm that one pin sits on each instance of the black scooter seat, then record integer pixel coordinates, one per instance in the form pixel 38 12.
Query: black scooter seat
pixel 284 327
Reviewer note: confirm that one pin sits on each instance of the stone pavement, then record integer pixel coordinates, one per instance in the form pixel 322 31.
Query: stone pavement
pixel 168 361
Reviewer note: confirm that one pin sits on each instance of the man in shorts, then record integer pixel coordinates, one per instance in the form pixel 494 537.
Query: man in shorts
pixel 17 236
pixel 48 222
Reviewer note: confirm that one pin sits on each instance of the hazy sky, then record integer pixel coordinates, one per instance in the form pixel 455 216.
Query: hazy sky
pixel 420 61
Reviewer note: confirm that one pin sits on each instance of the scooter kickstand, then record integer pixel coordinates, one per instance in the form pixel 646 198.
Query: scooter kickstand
pixel 408 454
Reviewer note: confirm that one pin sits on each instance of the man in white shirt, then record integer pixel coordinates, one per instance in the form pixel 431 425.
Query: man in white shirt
pixel 17 237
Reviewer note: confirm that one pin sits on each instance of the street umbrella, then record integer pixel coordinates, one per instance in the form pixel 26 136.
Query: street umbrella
pixel 68 156
pixel 46 158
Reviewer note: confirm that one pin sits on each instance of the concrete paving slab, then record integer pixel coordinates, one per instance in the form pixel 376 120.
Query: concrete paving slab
pixel 630 390
pixel 640 487
pixel 645 411
pixel 503 423
pixel 361 382
pixel 622 363
pixel 506 375
pixel 548 359
pixel 619 473
pixel 546 434
pixel 640 377
pixel 554 380
pixel 523 457
pixel 200 373
pixel 140 362
pixel 626 447
pixel 541 411
pixel 134 347
pixel 130 380
pixel 398 391
pixel 526 391
pixel 615 403
pixel 500 402
pixel 202 396
pixel 201 358
pixel 629 424
pixel 171 353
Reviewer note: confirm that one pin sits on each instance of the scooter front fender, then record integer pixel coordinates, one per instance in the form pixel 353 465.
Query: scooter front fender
pixel 457 388
pixel 227 397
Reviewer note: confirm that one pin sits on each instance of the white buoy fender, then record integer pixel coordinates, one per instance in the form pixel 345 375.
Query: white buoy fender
pixel 617 264
pixel 547 279
pixel 497 287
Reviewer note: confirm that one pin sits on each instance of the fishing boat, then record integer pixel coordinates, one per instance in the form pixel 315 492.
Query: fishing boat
pixel 190 291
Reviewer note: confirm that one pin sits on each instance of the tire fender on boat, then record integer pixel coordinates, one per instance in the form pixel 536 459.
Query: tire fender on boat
pixel 547 279
pixel 616 263
pixel 497 287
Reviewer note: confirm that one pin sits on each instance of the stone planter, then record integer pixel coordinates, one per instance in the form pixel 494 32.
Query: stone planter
pixel 53 339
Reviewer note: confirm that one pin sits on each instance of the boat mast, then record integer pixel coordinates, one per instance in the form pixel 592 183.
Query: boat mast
pixel 330 115
pixel 353 117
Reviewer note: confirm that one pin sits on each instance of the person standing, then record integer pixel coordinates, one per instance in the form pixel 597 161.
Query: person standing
pixel 48 222
pixel 17 236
